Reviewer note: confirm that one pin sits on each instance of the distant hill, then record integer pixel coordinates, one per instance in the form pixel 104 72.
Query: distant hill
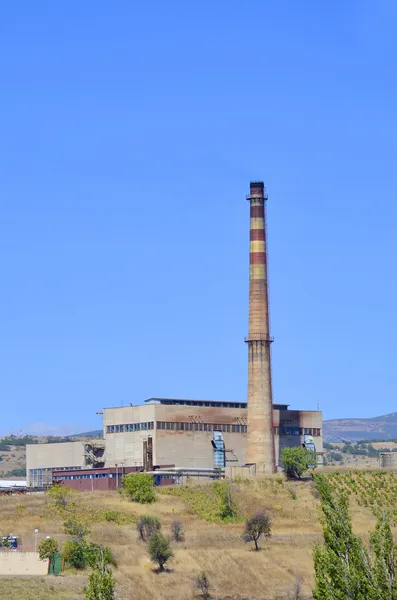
pixel 375 428
pixel 88 434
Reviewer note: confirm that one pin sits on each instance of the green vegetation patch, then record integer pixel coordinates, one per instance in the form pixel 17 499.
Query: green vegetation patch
pixel 376 490
pixel 214 503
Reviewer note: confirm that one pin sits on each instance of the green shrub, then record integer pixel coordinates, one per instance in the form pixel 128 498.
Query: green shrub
pixel 227 508
pixel 206 501
pixel 48 549
pixel 138 487
pixel 202 584
pixel 80 554
pixel 75 554
pixel 160 550
pixel 147 525
pixel 100 586
pixel 61 498
pixel 76 529
pixel 177 532
pixel 20 472
pixel 112 516
pixel 99 556
pixel 335 456
pixel 297 460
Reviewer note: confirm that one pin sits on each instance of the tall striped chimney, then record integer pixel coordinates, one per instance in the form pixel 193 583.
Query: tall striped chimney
pixel 260 442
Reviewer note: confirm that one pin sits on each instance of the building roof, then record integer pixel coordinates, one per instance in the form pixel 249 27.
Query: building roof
pixel 7 484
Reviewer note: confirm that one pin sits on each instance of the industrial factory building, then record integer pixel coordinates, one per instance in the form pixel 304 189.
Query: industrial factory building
pixel 165 433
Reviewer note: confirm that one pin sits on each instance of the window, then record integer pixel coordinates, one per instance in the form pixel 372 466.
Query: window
pixel 194 426
pixel 289 430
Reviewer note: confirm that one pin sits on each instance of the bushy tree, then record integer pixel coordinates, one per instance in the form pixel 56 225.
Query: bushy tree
pixel 297 460
pixel 384 558
pixel 159 549
pixel 82 554
pixel 75 553
pixel 147 525
pixel 202 584
pixel 76 529
pixel 100 585
pixel 99 556
pixel 48 549
pixel 255 527
pixel 227 509
pixel 138 487
pixel 177 532
pixel 344 568
pixel 61 498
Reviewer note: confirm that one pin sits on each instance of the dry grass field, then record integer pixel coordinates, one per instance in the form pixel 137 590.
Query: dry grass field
pixel 234 569
pixel 15 458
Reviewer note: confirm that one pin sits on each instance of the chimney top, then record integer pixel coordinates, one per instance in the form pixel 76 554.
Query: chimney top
pixel 257 190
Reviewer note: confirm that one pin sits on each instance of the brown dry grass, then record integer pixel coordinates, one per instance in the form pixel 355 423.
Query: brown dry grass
pixel 15 458
pixel 234 569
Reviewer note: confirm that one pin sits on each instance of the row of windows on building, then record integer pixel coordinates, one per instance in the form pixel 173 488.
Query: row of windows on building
pixel 86 476
pixel 67 468
pixel 315 432
pixel 130 427
pixel 234 428
pixel 177 426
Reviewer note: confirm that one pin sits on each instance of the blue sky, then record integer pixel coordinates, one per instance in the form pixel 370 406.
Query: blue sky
pixel 129 134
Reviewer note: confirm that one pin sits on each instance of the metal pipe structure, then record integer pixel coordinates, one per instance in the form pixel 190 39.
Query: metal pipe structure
pixel 260 439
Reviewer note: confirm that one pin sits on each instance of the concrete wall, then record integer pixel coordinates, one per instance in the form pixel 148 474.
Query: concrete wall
pixel 22 563
pixel 44 456
pixel 47 456
pixel 193 448
pixel 172 447
pixel 127 447
pixel 183 448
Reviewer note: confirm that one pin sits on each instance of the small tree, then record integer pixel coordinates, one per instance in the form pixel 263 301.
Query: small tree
pixel 48 549
pixel 255 527
pixel 177 532
pixel 297 460
pixel 202 584
pixel 384 558
pixel 159 550
pixel 100 586
pixel 138 487
pixel 76 529
pixel 61 498
pixel 147 525
pixel 99 556
pixel 227 506
pixel 74 553
pixel 342 565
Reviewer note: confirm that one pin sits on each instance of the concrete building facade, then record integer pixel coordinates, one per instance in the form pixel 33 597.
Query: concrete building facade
pixel 163 432
pixel 179 432
pixel 42 459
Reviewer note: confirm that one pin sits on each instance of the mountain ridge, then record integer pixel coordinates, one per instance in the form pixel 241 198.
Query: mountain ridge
pixel 382 427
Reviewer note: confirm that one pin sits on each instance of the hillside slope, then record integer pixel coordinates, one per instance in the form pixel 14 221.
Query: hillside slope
pixel 375 428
